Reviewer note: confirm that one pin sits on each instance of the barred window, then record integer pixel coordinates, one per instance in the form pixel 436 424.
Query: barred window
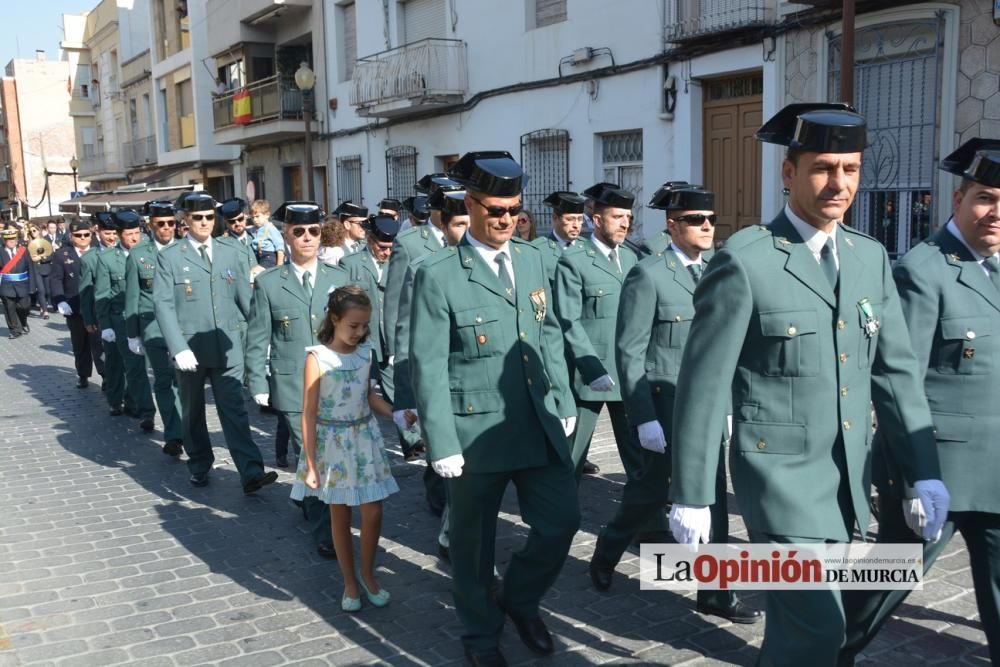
pixel 548 12
pixel 401 171
pixel 349 179
pixel 545 159
pixel 621 163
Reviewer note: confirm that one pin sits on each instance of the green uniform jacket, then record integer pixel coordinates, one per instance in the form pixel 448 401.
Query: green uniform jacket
pixel 140 319
pixel 203 308
pixel 552 250
pixel 953 313
pixel 88 275
pixel 109 289
pixel 654 319
pixel 802 373
pixel 283 318
pixel 657 245
pixel 361 271
pixel 487 371
pixel 587 290
pixel 251 256
pixel 409 246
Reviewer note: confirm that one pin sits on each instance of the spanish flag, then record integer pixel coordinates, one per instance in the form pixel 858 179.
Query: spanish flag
pixel 242 111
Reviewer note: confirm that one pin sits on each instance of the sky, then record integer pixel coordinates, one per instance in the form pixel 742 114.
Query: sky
pixel 36 24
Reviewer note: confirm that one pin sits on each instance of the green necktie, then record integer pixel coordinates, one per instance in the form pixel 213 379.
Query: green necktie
pixel 828 263
pixel 307 286
pixel 993 264
pixel 695 270
pixel 613 258
pixel 502 273
pixel 204 255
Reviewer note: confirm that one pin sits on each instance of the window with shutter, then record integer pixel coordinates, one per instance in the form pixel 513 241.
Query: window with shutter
pixel 349 179
pixel 423 19
pixel 349 53
pixel 548 12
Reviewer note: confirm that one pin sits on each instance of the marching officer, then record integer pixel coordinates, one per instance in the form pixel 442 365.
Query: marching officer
pixel 417 212
pixel 66 264
pixel 352 217
pixel 390 207
pixel 15 284
pixel 109 306
pixel 950 290
pixel 234 215
pixel 491 391
pixel 289 303
pixel 142 329
pixel 799 324
pixel 660 242
pixel 567 222
pixel 201 299
pixel 654 316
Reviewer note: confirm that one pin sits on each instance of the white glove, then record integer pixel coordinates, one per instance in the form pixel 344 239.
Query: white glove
pixel 603 383
pixel 135 346
pixel 690 524
pixel 449 466
pixel 262 399
pixel 916 517
pixel 392 359
pixel 568 424
pixel 399 418
pixel 108 335
pixel 935 498
pixel 64 308
pixel 186 361
pixel 651 437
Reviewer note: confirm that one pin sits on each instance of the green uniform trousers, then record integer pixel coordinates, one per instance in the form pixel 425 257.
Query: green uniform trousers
pixel 227 387
pixel 165 391
pixel 629 450
pixel 548 501
pixel 867 611
pixel 317 512
pixel 136 378
pixel 114 377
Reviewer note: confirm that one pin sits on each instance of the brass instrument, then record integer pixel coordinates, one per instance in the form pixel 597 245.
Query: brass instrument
pixel 40 249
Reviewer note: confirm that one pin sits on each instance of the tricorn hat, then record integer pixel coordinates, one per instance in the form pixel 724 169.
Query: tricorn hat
pixel 564 202
pixel 595 190
pixel 190 202
pixel 126 218
pixel 978 160
pixel 615 198
pixel 428 183
pixel 493 173
pixel 348 209
pixel 232 208
pixel 682 196
pixel 817 127
pixel 389 204
pixel 417 207
pixel 453 203
pixel 158 209
pixel 382 227
pixel 299 213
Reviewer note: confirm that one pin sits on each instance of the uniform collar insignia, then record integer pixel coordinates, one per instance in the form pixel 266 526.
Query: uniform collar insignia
pixel 784 241
pixel 186 268
pixel 848 241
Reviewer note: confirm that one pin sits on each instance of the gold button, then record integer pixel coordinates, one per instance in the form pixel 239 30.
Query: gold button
pixel 970 334
pixel 677 318
pixel 520 310
pixel 525 357
pixel 847 425
pixel 315 332
pixel 656 390
pixel 479 319
pixel 669 479
pixel 313 316
pixel 761 444
pixel 792 331
pixel 891 482
pixel 600 291
pixel 843 357
pixel 841 324
pixel 529 382
pixel 522 335
pixel 469 408
pixel 843 391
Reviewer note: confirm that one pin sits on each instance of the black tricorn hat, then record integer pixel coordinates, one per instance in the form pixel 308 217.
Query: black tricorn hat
pixel 453 203
pixel 978 160
pixel 78 225
pixel 105 220
pixel 564 202
pixel 682 196
pixel 382 227
pixel 493 173
pixel 348 209
pixel 435 200
pixel 616 198
pixel 595 190
pixel 417 207
pixel 817 127
pixel 190 202
pixel 158 209
pixel 389 204
pixel 127 218
pixel 428 183
pixel 299 213
pixel 231 208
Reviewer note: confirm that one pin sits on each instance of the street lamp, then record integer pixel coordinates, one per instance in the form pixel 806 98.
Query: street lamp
pixel 305 79
pixel 74 164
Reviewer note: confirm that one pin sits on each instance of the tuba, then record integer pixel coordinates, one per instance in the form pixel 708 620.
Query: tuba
pixel 40 249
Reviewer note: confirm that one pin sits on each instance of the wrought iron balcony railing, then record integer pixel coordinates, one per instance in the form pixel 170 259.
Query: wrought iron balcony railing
pixel 429 71
pixel 694 19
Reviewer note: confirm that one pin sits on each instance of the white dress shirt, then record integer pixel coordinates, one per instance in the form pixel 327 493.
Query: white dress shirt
pixel 814 238
pixel 685 260
pixel 953 228
pixel 605 250
pixel 197 246
pixel 489 253
pixel 300 271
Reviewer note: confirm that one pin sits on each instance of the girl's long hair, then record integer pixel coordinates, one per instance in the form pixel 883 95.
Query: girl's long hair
pixel 340 301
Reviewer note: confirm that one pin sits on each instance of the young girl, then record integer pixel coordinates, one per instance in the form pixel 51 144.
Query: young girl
pixel 345 463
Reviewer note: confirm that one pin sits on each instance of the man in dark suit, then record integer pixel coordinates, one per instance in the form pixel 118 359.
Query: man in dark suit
pixel 66 266
pixel 15 283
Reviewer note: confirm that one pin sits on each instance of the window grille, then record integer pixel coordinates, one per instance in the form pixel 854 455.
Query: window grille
pixel 622 164
pixel 545 159
pixel 349 179
pixel 401 172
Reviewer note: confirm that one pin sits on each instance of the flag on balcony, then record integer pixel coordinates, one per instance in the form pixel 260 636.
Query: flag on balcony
pixel 242 112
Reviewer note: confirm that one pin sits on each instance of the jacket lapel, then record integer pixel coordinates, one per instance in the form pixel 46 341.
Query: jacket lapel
pixel 604 264
pixel 851 266
pixel 970 272
pixel 800 262
pixel 291 284
pixel 192 256
pixel 479 272
pixel 681 274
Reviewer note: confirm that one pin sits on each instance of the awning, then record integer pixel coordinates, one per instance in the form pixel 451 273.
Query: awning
pixel 165 173
pixel 89 203
pixel 104 201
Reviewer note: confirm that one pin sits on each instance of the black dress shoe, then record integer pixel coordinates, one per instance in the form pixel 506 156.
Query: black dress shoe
pixel 116 411
pixel 258 483
pixel 420 448
pixel 489 658
pixel 14 335
pixel 173 448
pixel 591 468
pixel 326 551
pixel 45 316
pixel 444 553
pixel 534 634
pixel 737 613
pixel 104 384
pixel 281 461
pixel 411 454
pixel 82 383
pixel 199 480
pixel 601 573
pixel 27 328
pixel 147 425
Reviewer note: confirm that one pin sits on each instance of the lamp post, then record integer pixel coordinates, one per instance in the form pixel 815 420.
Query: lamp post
pixel 74 164
pixel 305 79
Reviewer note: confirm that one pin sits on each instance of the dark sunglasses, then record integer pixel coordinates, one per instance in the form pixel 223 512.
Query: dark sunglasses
pixel 202 216
pixel 81 235
pixel 499 211
pixel 165 223
pixel 298 231
pixel 241 218
pixel 697 218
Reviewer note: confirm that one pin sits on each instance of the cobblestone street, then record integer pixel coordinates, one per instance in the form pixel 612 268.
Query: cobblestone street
pixel 109 557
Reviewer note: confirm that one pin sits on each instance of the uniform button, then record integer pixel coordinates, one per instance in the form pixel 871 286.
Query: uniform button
pixel 657 390
pixel 529 382
pixel 600 291
pixel 479 320
pixel 469 408
pixel 843 391
pixel 761 444
pixel 841 324
pixel 970 334
pixel 669 479
pixel 313 316
pixel 677 318
pixel 792 331
pixel 522 335
pixel 891 482
pixel 847 425
pixel 843 357
pixel 525 357
pixel 520 310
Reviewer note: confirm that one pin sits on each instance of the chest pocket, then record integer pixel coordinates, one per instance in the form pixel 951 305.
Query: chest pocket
pixel 790 342
pixel 146 277
pixel 478 332
pixel 600 301
pixel 673 324
pixel 961 350
pixel 187 288
pixel 284 324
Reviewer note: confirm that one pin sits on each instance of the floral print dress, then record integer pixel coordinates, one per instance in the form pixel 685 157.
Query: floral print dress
pixel 350 453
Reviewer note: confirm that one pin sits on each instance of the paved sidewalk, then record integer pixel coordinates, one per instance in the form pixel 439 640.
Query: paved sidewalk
pixel 108 556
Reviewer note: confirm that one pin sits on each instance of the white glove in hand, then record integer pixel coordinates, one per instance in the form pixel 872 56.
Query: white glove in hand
pixel 449 466
pixel 603 383
pixel 914 515
pixel 935 498
pixel 108 335
pixel 186 361
pixel 262 399
pixel 392 359
pixel 135 346
pixel 651 437
pixel 690 524
pixel 568 424
pixel 64 308
pixel 399 418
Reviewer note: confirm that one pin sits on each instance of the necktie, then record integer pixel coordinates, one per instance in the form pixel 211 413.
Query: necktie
pixel 695 270
pixel 307 286
pixel 613 258
pixel 204 255
pixel 828 263
pixel 993 264
pixel 502 273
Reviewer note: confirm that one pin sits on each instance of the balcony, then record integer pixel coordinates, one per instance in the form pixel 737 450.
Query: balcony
pixel 264 12
pixel 136 69
pixel 275 113
pixel 100 166
pixel 417 77
pixel 140 152
pixel 690 20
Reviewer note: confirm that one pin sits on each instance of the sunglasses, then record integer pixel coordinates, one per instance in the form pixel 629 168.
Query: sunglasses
pixel 241 218
pixel 81 235
pixel 499 211
pixel 697 218
pixel 298 231
pixel 202 216
pixel 165 223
